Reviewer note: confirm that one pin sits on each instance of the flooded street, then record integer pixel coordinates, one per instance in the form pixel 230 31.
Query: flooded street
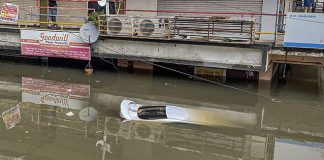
pixel 60 113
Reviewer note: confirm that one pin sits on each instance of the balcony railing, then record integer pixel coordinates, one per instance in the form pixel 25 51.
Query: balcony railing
pixel 212 28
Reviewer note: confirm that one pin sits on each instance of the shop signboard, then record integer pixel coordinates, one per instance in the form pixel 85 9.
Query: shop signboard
pixel 304 30
pixel 54 44
pixel 212 73
pixel 9 13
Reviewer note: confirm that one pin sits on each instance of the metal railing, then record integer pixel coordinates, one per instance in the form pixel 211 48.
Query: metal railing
pixel 27 24
pixel 212 28
pixel 215 28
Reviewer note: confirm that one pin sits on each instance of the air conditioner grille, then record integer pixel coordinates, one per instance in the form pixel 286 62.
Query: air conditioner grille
pixel 115 25
pixel 147 27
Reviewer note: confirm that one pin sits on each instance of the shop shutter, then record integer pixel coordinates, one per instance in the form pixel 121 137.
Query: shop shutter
pixel 212 6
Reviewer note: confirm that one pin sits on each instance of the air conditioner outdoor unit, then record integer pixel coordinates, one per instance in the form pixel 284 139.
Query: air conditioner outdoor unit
pixel 120 26
pixel 153 27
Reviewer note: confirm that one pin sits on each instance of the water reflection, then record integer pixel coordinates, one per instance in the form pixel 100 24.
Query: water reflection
pixel 11 117
pixel 64 118
pixel 55 93
pixel 292 149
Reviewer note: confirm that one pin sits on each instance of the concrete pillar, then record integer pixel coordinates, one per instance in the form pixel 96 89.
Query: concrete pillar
pixel 135 65
pixel 122 63
pixel 43 3
pixel 264 88
pixel 268 22
pixel 321 85
pixel 267 75
pixel 142 65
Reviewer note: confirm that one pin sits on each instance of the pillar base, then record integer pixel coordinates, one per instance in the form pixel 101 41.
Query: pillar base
pixel 267 75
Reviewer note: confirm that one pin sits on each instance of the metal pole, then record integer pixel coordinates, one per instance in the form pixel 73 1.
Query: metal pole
pixel 284 72
pixel 276 25
pixel 107 9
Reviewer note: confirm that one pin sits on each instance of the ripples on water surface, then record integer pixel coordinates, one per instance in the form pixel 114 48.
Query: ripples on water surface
pixel 59 114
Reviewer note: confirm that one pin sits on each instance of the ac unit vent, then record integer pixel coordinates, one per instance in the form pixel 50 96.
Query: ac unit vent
pixel 115 25
pixel 147 27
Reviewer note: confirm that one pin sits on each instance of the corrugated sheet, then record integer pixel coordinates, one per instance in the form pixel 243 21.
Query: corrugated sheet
pixel 212 6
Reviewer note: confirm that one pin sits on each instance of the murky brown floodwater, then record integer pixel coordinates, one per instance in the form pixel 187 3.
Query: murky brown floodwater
pixel 61 114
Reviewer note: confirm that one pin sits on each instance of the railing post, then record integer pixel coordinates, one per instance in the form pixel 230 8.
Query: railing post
pixel 276 24
pixel 209 29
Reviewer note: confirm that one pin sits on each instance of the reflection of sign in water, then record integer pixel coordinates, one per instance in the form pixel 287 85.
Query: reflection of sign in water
pixel 54 99
pixel 40 91
pixel 11 117
pixel 10 158
pixel 9 13
pixel 286 149
pixel 54 44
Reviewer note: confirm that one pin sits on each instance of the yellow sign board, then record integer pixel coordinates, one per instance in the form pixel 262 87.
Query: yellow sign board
pixel 212 72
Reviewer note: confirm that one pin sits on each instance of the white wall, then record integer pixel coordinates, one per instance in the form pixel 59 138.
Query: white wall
pixel 268 23
pixel 141 5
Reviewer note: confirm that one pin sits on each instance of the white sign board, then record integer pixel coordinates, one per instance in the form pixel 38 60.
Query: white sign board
pixel 304 30
pixel 286 149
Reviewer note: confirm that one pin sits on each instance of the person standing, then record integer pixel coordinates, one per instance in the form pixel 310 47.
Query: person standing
pixel 52 10
pixel 308 5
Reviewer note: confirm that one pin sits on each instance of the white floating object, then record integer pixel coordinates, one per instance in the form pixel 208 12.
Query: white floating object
pixel 70 114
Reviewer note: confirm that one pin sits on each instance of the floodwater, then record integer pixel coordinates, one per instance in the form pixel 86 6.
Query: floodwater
pixel 61 114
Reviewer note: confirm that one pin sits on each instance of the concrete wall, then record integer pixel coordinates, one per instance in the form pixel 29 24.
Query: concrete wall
pixel 9 40
pixel 228 57
pixel 141 5
pixel 190 54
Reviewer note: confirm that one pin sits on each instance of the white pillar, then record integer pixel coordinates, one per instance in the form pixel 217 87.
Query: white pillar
pixel 268 22
pixel 321 84
pixel 107 8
